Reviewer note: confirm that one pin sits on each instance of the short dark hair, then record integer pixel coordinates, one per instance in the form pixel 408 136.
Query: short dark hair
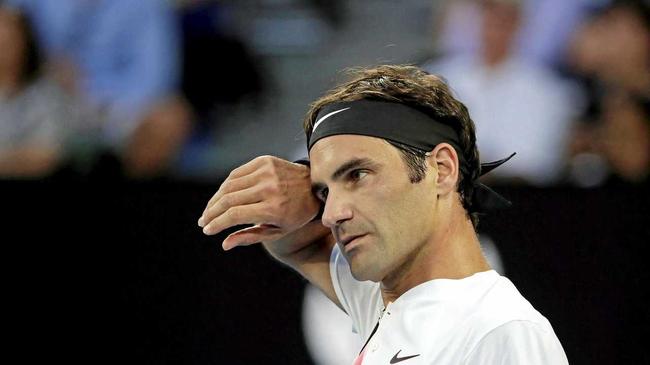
pixel 33 59
pixel 428 93
pixel 415 160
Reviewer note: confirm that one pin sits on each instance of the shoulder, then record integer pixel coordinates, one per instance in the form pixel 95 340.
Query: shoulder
pixel 517 342
pixel 510 329
pixel 503 303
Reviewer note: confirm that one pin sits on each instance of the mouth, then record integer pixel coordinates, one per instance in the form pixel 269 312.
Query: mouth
pixel 347 240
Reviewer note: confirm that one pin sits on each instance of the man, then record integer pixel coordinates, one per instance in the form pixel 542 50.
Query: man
pixel 394 163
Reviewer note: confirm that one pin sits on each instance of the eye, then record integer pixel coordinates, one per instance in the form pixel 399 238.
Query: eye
pixel 322 194
pixel 358 174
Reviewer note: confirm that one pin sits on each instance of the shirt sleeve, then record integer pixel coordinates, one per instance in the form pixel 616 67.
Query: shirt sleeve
pixel 361 300
pixel 518 342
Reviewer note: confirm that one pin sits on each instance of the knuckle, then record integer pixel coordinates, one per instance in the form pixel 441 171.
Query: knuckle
pixel 226 200
pixel 266 173
pixel 273 169
pixel 233 214
pixel 275 179
pixel 271 188
pixel 226 186
pixel 234 172
pixel 275 161
pixel 265 159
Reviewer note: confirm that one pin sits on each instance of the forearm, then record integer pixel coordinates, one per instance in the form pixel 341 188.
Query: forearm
pixel 308 251
pixel 302 246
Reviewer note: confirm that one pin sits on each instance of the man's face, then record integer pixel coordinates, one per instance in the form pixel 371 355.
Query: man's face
pixel 379 218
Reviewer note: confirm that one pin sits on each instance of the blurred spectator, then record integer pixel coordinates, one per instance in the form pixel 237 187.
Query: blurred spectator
pixel 517 106
pixel 546 28
pixel 37 119
pixel 122 56
pixel 611 55
pixel 457 28
pixel 212 40
pixel 209 41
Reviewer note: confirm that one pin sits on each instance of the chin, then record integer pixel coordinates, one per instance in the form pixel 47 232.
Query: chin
pixel 365 273
pixel 364 264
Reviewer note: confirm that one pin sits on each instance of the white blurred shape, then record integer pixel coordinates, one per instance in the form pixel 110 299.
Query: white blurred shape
pixel 492 254
pixel 328 330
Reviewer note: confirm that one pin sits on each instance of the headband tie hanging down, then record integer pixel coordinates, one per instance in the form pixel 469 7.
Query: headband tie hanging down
pixel 407 125
pixel 484 199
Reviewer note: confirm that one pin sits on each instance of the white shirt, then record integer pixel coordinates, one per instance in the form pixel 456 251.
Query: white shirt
pixel 481 319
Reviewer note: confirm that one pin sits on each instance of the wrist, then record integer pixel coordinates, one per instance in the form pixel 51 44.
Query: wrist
pixel 305 162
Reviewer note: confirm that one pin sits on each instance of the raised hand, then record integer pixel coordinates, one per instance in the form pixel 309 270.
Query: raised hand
pixel 271 193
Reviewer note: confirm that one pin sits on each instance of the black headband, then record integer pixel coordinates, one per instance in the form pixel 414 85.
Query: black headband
pixel 393 121
pixel 403 124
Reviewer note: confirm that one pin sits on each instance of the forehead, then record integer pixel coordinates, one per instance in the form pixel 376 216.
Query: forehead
pixel 329 153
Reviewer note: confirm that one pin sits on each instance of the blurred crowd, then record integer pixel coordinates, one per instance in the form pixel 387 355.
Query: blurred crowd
pixel 566 85
pixel 133 89
pixel 111 88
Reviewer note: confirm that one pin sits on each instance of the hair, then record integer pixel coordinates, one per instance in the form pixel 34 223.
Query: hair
pixel 33 59
pixel 639 7
pixel 418 89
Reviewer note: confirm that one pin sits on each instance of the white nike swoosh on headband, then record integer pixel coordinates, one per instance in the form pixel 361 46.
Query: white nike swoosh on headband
pixel 318 122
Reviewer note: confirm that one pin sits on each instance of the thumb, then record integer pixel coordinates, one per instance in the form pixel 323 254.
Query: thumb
pixel 251 235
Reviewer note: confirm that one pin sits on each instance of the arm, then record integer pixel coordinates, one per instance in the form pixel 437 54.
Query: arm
pixel 275 195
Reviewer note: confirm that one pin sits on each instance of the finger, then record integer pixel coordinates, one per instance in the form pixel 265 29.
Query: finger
pixel 232 185
pixel 251 235
pixel 248 167
pixel 242 214
pixel 230 200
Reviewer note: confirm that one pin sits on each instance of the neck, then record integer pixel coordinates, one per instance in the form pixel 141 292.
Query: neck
pixel 453 252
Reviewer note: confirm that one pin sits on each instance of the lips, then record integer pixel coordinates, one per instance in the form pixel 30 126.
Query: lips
pixel 348 239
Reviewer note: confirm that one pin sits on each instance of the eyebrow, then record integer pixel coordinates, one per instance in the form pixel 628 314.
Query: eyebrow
pixel 342 170
pixel 351 165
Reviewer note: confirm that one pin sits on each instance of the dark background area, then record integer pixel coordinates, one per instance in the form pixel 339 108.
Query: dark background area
pixel 120 273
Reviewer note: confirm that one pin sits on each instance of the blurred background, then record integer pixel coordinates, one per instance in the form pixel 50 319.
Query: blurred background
pixel 119 120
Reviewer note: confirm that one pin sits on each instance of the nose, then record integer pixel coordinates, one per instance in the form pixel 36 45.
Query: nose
pixel 336 211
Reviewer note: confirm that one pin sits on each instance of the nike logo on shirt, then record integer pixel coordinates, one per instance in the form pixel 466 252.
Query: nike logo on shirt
pixel 396 359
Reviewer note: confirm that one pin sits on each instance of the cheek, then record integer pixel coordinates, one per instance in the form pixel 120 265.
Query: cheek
pixel 402 213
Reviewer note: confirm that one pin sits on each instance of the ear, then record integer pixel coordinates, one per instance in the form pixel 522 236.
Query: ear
pixel 445 159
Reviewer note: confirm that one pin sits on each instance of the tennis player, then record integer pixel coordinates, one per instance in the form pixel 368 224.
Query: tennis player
pixel 382 218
